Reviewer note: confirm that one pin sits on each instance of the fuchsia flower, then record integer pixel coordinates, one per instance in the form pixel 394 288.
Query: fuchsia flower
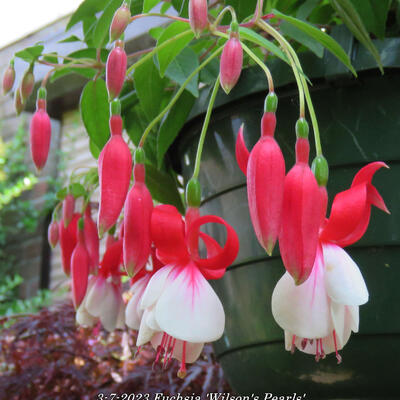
pixel 103 298
pixel 91 240
pixel 198 16
pixel 181 310
pixel 319 315
pixel 231 63
pixel 265 171
pixel 120 21
pixel 68 240
pixel 116 69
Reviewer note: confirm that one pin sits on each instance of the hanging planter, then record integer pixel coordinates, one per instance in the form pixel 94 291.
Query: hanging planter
pixel 357 120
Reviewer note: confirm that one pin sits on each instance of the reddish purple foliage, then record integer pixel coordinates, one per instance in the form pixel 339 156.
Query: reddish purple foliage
pixel 46 356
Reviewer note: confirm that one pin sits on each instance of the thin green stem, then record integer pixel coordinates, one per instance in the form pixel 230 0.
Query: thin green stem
pixel 221 15
pixel 204 129
pixel 299 76
pixel 158 15
pixel 177 95
pixel 157 49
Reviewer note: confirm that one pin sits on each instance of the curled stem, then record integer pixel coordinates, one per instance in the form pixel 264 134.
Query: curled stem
pixel 221 15
pixel 204 129
pixel 176 97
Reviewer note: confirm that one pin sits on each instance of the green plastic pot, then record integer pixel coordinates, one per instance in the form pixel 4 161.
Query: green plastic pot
pixel 359 122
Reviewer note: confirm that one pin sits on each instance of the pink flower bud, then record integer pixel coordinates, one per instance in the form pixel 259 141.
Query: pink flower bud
pixel 91 241
pixel 8 78
pixel 52 233
pixel 231 63
pixel 27 84
pixel 198 16
pixel 79 270
pixel 68 241
pixel 18 105
pixel 116 70
pixel 301 216
pixel 115 170
pixel 40 135
pixel 137 219
pixel 120 21
pixel 68 209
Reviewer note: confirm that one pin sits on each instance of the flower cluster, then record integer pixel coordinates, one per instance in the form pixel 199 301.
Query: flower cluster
pixel 316 301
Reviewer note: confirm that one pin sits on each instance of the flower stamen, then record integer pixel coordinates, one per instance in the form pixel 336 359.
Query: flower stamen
pixel 182 370
pixel 338 356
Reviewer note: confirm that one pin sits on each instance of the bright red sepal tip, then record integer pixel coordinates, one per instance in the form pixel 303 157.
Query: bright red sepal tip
pixel 68 240
pixel 79 270
pixel 175 247
pixel 112 259
pixel 137 219
pixel 351 209
pixel 242 154
pixel 301 217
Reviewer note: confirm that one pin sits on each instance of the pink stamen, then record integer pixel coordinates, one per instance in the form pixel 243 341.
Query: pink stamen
pixel 166 354
pixel 160 348
pixel 317 356
pixel 182 370
pixel 322 349
pixel 338 356
pixel 293 344
pixel 170 352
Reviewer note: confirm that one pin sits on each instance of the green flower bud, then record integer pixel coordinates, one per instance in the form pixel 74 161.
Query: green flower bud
pixel 193 193
pixel 320 169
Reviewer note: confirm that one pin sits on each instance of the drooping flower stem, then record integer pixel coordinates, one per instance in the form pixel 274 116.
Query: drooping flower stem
pixel 221 15
pixel 204 129
pixel 177 95
pixel 300 78
pixel 157 49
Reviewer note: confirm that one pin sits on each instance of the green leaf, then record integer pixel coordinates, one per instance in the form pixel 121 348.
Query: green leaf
pixel 149 4
pixel 243 8
pixel 210 72
pixel 181 67
pixel 88 26
pixel 168 53
pixel 136 7
pixel 156 32
pixel 94 149
pixel 352 20
pixel 135 123
pixel 69 39
pixel 95 112
pixel 101 31
pixel 173 123
pixel 306 8
pixel 88 8
pixel 30 54
pixel 149 87
pixel 165 7
pixel 373 13
pixel 328 42
pixel 182 6
pixel 51 57
pixel 77 190
pixel 304 39
pixel 250 35
pixel 162 187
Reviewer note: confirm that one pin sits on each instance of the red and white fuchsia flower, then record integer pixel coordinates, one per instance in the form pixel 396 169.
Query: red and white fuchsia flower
pixel 181 310
pixel 319 315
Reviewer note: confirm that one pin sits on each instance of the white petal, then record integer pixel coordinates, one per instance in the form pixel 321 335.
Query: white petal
pixel 303 310
pixel 354 317
pixel 342 329
pixel 151 320
pixel 193 350
pixel 343 279
pixel 83 317
pixel 188 308
pixel 110 309
pixel 133 312
pixel 145 332
pixel 155 287
pixel 96 297
pixel 121 314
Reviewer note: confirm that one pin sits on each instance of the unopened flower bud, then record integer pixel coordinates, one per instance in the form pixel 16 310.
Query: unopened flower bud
pixel 120 21
pixel 18 105
pixel 116 70
pixel 8 78
pixel 52 233
pixel 198 16
pixel 231 63
pixel 27 84
pixel 271 102
pixel 193 193
pixel 320 169
pixel 302 128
